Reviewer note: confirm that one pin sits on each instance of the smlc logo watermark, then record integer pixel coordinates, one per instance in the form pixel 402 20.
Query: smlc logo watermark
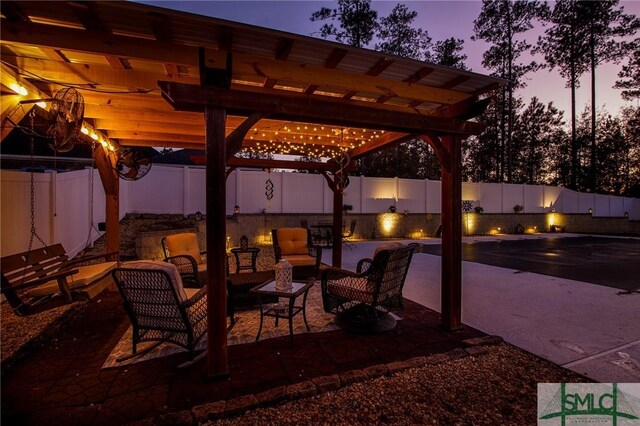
pixel 588 404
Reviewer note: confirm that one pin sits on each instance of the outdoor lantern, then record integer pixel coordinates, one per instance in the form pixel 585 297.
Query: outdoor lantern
pixel 236 210
pixel 284 275
pixel 590 211
pixel 198 216
pixel 626 214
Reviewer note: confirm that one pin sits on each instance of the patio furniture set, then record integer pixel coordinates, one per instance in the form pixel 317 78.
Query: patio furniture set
pixel 166 301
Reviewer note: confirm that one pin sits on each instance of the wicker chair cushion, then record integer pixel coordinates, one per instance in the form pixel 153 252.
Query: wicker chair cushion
pixel 169 268
pixel 184 244
pixel 392 245
pixel 190 292
pixel 359 289
pixel 86 275
pixel 300 259
pixel 292 241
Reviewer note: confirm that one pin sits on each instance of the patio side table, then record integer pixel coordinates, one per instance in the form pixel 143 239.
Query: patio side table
pixel 281 310
pixel 253 251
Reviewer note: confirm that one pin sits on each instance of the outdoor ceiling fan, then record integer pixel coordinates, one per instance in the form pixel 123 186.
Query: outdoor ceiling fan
pixel 65 117
pixel 133 164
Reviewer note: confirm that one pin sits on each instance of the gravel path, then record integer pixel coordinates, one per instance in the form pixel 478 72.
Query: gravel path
pixel 498 387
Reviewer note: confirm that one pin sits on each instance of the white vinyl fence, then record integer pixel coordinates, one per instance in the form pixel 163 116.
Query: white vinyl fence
pixel 62 200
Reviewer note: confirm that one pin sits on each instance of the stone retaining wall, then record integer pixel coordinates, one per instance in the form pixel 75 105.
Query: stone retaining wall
pixel 257 227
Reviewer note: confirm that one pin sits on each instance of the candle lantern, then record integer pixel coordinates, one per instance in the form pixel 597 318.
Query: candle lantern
pixel 284 275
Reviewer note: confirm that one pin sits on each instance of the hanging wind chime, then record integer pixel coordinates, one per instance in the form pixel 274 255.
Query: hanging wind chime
pixel 268 189
pixel 343 162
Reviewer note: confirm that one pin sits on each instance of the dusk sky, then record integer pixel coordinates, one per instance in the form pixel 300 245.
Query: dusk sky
pixel 442 19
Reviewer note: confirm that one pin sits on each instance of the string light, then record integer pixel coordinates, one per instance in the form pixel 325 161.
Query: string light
pixel 295 139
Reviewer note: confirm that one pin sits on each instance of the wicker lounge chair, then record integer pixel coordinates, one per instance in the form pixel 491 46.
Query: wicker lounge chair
pixel 294 244
pixel 362 299
pixel 159 308
pixel 183 251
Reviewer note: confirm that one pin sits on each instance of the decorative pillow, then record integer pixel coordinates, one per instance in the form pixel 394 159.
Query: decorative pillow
pixel 158 265
pixel 292 241
pixel 184 244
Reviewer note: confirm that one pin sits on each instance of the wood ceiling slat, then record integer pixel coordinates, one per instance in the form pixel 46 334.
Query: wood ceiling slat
pixel 381 65
pixel 332 61
pixel 282 52
pixel 455 82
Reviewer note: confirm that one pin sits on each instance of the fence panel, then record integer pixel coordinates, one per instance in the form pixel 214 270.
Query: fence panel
pixel 353 194
pixel 512 194
pixel 552 198
pixel 533 199
pixel 616 206
pixel 302 192
pixel 160 191
pixel 601 205
pixel 411 195
pixel 252 197
pixel 491 197
pixel 586 202
pixel 569 200
pixel 434 202
pixel 378 194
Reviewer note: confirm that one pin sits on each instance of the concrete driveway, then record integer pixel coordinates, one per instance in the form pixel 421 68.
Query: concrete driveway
pixel 589 328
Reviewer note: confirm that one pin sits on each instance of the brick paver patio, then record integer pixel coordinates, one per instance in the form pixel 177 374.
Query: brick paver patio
pixel 62 381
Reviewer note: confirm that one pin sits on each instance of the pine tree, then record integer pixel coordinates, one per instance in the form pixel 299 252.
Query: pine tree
pixel 564 47
pixel 537 128
pixel 448 52
pixel 607 25
pixel 499 23
pixel 630 75
pixel 398 36
pixel 357 22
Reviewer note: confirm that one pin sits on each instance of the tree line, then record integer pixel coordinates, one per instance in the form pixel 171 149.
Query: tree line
pixel 525 141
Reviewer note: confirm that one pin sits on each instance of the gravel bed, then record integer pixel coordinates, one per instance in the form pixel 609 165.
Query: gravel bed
pixel 18 332
pixel 498 387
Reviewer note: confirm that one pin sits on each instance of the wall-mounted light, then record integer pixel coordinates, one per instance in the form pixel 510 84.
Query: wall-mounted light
pixel 590 211
pixel 236 210
pixel 626 214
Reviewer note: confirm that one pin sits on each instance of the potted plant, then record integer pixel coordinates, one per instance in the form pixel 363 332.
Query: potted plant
pixel 347 207
pixel 479 210
pixel 518 208
pixel 392 209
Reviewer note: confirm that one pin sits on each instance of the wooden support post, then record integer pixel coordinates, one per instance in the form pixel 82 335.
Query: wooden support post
pixel 217 361
pixel 337 223
pixel 451 291
pixel 106 164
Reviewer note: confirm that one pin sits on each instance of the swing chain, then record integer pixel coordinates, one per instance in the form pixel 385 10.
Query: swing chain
pixel 92 226
pixel 32 187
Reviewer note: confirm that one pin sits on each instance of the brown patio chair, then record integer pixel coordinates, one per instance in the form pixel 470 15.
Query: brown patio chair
pixel 346 237
pixel 183 251
pixel 295 245
pixel 362 299
pixel 159 308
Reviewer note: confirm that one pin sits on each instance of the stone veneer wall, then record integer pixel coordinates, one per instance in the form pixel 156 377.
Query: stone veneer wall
pixel 149 243
pixel 257 227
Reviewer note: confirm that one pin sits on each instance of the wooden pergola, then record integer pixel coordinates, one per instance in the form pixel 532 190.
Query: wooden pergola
pixel 149 76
